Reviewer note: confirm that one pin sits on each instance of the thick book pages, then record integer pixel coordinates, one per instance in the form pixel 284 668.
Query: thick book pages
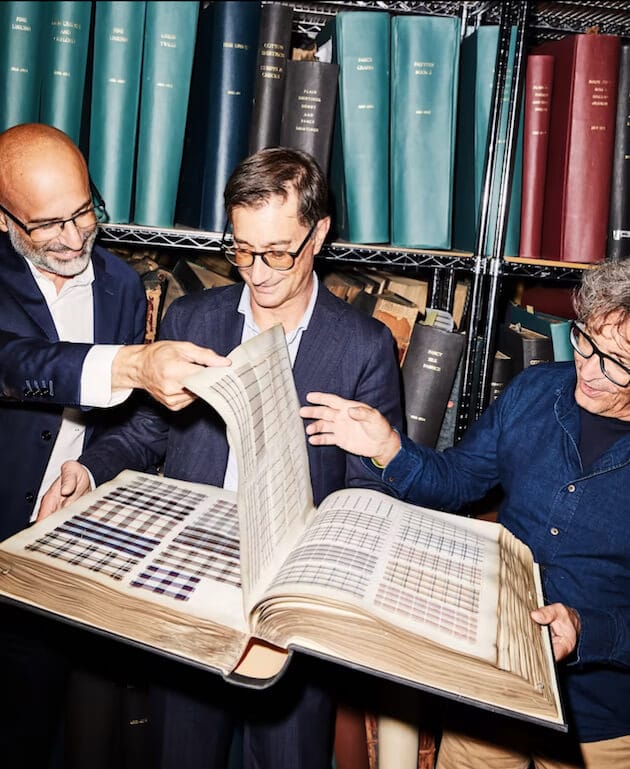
pixel 117 62
pixel 217 134
pixel 581 136
pixel 537 115
pixel 169 40
pixel 308 108
pixel 64 64
pixel 618 245
pixel 428 372
pixel 274 48
pixel 22 26
pixel 360 42
pixel 425 66
pixel 235 581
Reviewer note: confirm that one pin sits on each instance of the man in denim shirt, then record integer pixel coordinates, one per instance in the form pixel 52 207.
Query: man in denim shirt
pixel 558 442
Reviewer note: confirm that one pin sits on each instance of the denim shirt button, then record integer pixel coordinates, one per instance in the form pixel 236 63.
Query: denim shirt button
pixel 571 488
pixel 390 479
pixel 553 530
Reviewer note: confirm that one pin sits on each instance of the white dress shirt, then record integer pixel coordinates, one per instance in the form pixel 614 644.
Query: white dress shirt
pixel 72 311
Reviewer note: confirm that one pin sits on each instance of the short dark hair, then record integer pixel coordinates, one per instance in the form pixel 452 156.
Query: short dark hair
pixel 275 171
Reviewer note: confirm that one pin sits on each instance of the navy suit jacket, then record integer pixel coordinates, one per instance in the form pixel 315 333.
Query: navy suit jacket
pixel 40 375
pixel 342 351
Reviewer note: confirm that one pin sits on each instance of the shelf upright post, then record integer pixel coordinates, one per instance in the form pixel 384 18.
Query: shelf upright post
pixel 505 191
pixel 470 388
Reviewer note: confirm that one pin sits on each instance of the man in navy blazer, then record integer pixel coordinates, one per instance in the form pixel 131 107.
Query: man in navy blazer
pixel 29 427
pixel 276 201
pixel 55 284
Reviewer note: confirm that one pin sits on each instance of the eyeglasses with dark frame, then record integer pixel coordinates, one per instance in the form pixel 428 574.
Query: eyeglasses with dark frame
pixel 83 220
pixel 277 260
pixel 612 369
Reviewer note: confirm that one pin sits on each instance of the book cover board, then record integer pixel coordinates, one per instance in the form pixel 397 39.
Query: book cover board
pixel 428 372
pixel 236 581
pixel 580 150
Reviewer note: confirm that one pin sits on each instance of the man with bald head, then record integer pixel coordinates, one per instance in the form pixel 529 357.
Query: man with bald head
pixel 56 285
pixel 66 308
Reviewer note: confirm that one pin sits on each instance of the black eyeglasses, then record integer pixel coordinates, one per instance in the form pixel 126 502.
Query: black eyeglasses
pixel 614 371
pixel 83 220
pixel 277 260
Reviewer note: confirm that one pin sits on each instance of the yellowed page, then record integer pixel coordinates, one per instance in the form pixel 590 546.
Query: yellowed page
pixel 256 396
pixel 431 573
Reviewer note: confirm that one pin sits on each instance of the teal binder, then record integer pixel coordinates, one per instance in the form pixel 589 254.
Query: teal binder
pixel 359 175
pixel 65 51
pixel 117 62
pixel 22 26
pixel 169 42
pixel 425 60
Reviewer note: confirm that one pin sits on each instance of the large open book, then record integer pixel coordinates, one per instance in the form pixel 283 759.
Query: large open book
pixel 236 582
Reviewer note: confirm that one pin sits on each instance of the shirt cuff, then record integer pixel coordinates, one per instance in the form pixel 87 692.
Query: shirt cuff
pixel 598 634
pixel 96 378
pixel 92 481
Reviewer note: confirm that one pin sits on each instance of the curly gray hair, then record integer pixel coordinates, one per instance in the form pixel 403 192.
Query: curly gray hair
pixel 604 290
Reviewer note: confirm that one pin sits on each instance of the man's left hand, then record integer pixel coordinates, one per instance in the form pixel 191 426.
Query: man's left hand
pixel 73 483
pixel 564 623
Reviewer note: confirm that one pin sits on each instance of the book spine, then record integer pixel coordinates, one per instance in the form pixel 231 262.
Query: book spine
pixel 500 375
pixel 513 226
pixel 447 436
pixel 555 327
pixel 577 185
pixel 22 26
pixel 428 372
pixel 169 40
pixel 478 62
pixel 525 349
pixel 425 65
pixel 118 36
pixel 308 108
pixel 537 114
pixel 274 48
pixel 362 53
pixel 618 246
pixel 225 106
pixel 64 66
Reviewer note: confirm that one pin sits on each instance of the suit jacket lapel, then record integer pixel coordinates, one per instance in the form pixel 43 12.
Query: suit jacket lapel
pixel 104 288
pixel 319 351
pixel 21 283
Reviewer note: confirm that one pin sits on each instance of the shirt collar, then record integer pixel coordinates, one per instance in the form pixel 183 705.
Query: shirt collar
pixel 245 308
pixel 84 278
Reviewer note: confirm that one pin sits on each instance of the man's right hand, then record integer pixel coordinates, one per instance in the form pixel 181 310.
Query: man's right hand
pixel 73 482
pixel 353 426
pixel 160 367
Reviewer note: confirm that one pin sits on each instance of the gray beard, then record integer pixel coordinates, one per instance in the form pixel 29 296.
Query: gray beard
pixel 44 258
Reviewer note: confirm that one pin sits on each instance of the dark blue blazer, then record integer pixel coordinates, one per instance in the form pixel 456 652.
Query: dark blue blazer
pixel 40 375
pixel 342 351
